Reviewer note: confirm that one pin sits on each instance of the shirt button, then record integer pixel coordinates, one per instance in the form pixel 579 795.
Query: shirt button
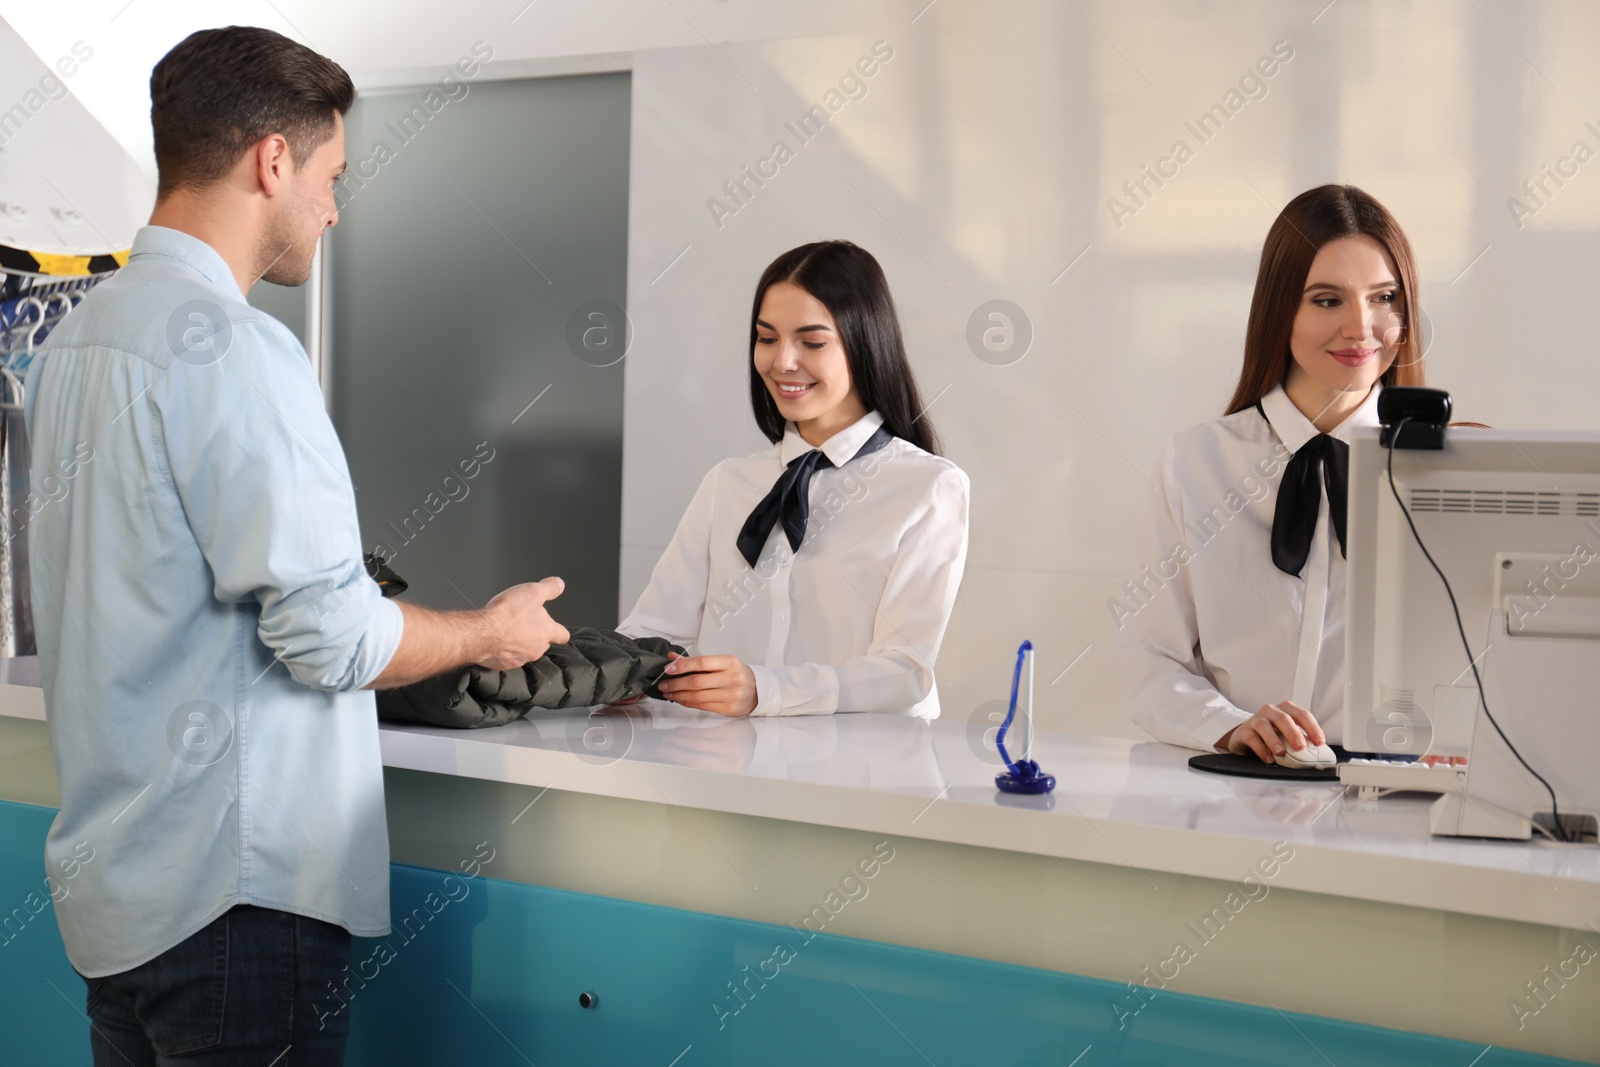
pixel 783 618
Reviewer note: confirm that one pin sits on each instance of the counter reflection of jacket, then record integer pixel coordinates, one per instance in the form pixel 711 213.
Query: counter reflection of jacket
pixel 595 667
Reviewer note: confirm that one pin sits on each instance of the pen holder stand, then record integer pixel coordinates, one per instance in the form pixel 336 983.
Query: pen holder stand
pixel 1023 775
pixel 1027 778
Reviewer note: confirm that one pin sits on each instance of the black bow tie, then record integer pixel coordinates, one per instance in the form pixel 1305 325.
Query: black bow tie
pixel 1294 522
pixel 790 499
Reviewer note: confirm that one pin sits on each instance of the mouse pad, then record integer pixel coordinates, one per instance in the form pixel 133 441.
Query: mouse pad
pixel 1252 767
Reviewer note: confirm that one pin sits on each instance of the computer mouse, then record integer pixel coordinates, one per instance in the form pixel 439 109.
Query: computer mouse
pixel 1320 757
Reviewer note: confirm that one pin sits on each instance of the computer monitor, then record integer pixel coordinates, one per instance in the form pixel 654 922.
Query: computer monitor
pixel 1513 521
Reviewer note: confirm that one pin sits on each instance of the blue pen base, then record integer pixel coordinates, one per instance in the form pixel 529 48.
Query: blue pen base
pixel 1027 778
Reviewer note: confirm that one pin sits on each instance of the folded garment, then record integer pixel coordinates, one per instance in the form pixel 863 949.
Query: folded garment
pixel 595 667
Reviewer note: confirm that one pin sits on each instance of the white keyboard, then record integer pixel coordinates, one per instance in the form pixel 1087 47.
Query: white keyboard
pixel 1373 776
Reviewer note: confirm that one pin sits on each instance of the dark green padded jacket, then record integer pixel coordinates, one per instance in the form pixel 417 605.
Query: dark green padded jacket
pixel 595 667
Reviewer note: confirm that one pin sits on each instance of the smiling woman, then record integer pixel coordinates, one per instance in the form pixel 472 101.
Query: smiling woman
pixel 1240 644
pixel 1304 257
pixel 846 610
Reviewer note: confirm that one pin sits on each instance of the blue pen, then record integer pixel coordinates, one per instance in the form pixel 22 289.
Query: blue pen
pixel 1024 775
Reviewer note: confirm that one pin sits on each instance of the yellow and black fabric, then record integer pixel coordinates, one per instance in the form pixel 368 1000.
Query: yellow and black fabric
pixel 390 584
pixel 58 264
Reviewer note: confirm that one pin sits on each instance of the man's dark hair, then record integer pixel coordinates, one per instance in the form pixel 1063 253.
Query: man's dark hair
pixel 221 91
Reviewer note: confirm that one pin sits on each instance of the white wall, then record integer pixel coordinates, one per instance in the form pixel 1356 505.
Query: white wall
pixel 979 165
pixel 66 186
pixel 376 39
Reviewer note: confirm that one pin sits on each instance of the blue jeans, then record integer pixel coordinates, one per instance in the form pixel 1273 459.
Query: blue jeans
pixel 240 991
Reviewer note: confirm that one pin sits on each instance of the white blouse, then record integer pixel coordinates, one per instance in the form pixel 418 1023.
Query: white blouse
pixel 1208 627
pixel 853 620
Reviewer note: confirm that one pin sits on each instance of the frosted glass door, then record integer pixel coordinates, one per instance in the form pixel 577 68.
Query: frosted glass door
pixel 478 272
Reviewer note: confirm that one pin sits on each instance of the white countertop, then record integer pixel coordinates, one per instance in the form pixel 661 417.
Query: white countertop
pixel 1131 804
pixel 1126 803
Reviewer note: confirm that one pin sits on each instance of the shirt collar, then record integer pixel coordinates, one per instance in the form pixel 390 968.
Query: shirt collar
pixel 166 243
pixel 840 448
pixel 1294 429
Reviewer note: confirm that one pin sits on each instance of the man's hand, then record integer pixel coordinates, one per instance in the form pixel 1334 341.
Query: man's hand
pixel 512 630
pixel 517 628
pixel 720 683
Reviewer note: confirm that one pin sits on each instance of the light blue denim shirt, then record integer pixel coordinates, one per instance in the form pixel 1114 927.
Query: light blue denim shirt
pixel 204 620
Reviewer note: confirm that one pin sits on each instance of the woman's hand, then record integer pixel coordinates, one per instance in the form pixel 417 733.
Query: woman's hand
pixel 1272 730
pixel 719 683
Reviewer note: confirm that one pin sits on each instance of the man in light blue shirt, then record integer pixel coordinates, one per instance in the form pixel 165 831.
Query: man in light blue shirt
pixel 207 630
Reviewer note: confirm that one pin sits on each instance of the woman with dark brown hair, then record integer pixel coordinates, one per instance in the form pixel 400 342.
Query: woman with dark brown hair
pixel 818 575
pixel 1232 623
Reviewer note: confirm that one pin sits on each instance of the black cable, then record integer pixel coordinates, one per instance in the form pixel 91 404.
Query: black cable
pixel 1555 810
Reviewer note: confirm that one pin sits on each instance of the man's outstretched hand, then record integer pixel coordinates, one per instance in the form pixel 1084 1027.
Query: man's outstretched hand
pixel 512 629
pixel 518 628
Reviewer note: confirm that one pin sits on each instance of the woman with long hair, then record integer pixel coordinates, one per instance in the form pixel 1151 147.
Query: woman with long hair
pixel 818 575
pixel 1232 623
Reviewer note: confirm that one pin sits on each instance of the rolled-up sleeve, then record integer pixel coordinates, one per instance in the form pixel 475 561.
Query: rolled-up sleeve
pixel 258 467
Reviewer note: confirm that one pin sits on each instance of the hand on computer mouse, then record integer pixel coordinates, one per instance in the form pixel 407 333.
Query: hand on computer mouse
pixel 1274 730
pixel 1312 757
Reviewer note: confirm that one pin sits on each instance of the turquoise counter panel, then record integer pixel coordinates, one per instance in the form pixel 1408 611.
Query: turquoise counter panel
pixel 488 972
pixel 41 996
pixel 494 979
